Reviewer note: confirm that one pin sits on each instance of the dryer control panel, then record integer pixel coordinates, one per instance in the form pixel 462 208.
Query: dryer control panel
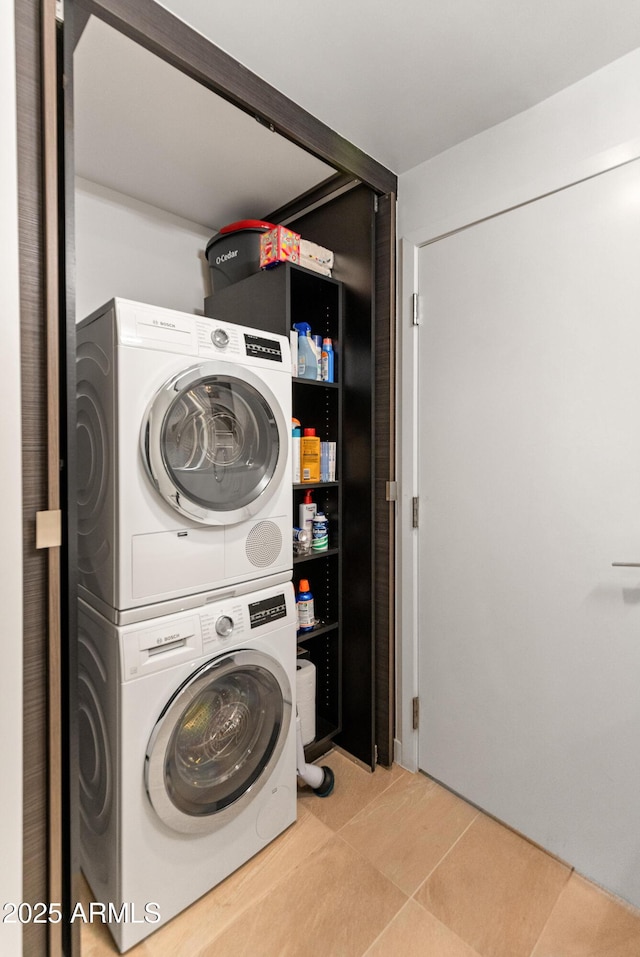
pixel 143 326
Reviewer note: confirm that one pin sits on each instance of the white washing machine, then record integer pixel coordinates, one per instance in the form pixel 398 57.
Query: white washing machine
pixel 187 751
pixel 183 445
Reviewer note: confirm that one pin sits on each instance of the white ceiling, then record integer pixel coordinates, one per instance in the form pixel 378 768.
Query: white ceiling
pixel 146 130
pixel 403 80
pixel 406 79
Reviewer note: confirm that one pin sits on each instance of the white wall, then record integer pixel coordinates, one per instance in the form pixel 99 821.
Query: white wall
pixel 590 127
pixel 10 500
pixel 130 249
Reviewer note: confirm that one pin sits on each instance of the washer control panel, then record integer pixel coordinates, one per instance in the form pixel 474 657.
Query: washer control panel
pixel 169 640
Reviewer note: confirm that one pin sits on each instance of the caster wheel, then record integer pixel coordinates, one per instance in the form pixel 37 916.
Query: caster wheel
pixel 326 787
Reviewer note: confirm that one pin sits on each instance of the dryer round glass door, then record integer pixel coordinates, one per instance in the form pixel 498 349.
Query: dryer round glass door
pixel 215 444
pixel 217 741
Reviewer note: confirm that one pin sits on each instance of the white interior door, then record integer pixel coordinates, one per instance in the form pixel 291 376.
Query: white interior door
pixel 529 454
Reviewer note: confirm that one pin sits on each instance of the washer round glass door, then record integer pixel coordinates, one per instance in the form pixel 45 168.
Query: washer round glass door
pixel 215 443
pixel 216 741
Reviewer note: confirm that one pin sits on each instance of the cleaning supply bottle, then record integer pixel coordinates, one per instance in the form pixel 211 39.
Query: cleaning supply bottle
pixel 307 512
pixel 296 435
pixel 307 359
pixel 304 607
pixel 317 344
pixel 327 361
pixel 320 533
pixel 310 456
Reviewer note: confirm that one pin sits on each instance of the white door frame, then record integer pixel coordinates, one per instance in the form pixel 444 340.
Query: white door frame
pixel 529 190
pixel 406 741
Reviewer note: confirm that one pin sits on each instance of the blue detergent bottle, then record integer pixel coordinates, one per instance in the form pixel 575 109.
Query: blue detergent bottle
pixel 304 606
pixel 307 357
pixel 328 373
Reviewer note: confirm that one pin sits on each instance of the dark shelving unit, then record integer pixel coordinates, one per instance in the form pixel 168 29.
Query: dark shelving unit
pixel 273 300
pixel 318 301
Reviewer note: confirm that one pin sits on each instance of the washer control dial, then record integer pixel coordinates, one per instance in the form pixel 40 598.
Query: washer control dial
pixel 224 626
pixel 220 338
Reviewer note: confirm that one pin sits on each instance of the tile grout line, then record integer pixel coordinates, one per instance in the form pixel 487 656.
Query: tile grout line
pixel 371 801
pixel 386 927
pixel 376 797
pixel 551 912
pixel 368 863
pixel 261 895
pixel 205 950
pixel 445 856
pixel 410 896
pixel 360 809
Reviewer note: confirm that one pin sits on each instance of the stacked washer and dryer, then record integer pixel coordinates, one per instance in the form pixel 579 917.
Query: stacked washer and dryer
pixel 187 622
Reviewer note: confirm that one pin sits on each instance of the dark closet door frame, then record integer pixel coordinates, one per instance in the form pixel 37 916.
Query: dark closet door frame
pixel 161 33
pixel 385 475
pixel 46 862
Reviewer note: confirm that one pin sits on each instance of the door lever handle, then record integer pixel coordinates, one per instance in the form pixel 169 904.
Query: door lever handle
pixel 625 564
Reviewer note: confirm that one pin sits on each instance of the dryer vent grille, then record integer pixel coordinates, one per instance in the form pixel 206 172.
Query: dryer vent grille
pixel 264 544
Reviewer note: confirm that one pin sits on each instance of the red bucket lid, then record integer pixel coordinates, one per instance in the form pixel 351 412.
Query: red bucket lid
pixel 246 224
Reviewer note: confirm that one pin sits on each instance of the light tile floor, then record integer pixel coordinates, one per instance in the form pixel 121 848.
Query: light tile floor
pixel 392 864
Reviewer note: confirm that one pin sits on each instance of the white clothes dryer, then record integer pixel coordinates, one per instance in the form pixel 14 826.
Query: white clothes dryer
pixel 187 751
pixel 183 445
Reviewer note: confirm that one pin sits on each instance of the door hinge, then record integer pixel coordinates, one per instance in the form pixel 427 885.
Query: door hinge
pixel 375 754
pixel 375 204
pixel 416 713
pixel 391 494
pixel 49 529
pixel 60 11
pixel 415 511
pixel 415 313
